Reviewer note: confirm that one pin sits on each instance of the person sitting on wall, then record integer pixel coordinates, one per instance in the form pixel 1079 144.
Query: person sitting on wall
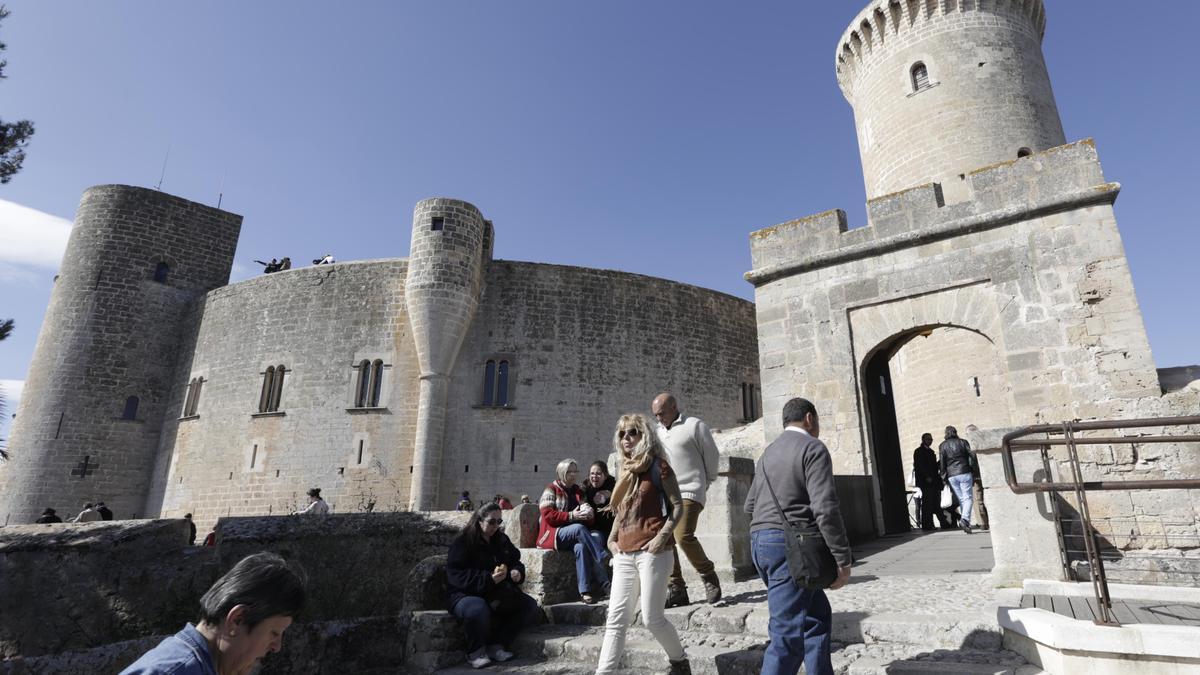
pixel 326 259
pixel 242 619
pixel 272 266
pixel 566 524
pixel 484 574
pixel 316 505
pixel 503 502
pixel 210 539
pixel 89 514
pixel 48 516
pixel 464 502
pixel 285 263
pixel 597 492
pixel 104 511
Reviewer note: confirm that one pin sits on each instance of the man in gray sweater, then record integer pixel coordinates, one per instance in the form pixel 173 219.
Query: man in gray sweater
pixel 801 474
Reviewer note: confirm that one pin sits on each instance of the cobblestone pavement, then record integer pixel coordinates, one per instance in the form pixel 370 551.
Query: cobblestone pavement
pixel 874 595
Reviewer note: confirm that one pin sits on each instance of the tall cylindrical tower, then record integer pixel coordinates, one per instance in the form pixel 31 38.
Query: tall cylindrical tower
pixel 942 87
pixel 451 242
pixel 88 424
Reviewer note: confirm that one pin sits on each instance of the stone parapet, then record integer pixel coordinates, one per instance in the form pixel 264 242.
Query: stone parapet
pixel 1057 179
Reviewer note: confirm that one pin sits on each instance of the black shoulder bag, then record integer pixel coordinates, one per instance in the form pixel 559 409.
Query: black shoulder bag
pixel 809 559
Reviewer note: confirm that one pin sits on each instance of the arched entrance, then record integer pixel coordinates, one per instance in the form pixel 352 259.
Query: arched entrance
pixel 920 381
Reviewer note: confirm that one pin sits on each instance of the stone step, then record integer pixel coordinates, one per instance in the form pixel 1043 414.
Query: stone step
pixel 574 650
pixel 972 630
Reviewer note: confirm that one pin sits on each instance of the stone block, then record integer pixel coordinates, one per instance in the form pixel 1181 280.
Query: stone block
pixel 550 576
pixel 521 525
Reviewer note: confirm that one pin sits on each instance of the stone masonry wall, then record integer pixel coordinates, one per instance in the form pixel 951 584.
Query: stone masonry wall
pixel 111 332
pixel 1034 263
pixel 318 322
pixel 586 346
pixel 931 380
pixel 987 83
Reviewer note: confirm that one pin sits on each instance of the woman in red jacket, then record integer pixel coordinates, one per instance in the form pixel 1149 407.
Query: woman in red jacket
pixel 566 526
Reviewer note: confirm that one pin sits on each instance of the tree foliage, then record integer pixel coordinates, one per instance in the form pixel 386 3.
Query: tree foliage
pixel 14 136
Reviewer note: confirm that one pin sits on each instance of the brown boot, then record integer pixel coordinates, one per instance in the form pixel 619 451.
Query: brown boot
pixel 712 589
pixel 677 595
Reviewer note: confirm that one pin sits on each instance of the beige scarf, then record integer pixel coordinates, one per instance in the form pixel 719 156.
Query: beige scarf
pixel 625 491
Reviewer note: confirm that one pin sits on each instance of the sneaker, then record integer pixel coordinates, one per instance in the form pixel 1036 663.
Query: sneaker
pixel 712 590
pixel 499 654
pixel 677 596
pixel 966 527
pixel 478 659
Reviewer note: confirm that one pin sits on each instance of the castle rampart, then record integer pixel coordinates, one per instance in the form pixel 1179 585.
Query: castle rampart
pixel 88 425
pixel 940 87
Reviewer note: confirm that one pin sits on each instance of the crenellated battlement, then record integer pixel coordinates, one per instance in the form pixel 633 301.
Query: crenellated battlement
pixel 1044 182
pixel 888 24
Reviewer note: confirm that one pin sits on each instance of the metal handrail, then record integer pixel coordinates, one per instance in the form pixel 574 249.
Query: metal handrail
pixel 1018 440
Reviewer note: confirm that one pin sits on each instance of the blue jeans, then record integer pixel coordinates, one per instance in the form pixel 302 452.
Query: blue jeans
pixel 962 484
pixel 801 618
pixel 477 621
pixel 590 555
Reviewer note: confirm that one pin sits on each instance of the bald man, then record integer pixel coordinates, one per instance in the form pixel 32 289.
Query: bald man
pixel 692 454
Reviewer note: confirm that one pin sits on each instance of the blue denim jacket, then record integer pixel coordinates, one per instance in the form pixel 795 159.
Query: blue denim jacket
pixel 184 653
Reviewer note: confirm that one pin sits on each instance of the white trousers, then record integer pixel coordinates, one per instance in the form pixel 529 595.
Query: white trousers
pixel 634 572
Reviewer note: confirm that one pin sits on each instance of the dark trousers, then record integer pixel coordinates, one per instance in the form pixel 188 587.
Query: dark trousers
pixel 484 627
pixel 931 505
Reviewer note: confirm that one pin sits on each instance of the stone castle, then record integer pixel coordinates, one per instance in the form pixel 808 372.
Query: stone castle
pixel 990 287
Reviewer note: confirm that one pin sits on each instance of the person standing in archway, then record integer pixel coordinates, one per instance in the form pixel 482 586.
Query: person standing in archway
pixel 956 465
pixel 929 482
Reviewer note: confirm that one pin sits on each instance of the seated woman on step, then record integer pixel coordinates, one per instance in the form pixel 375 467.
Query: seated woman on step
pixel 484 574
pixel 566 526
pixel 647 504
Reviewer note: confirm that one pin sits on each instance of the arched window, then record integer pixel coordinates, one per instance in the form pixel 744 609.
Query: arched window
pixel 364 384
pixel 497 382
pixel 489 383
pixel 131 406
pixel 376 383
pixel 920 76
pixel 160 272
pixel 272 389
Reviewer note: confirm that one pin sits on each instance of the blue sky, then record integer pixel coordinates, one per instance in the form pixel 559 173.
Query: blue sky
pixel 644 136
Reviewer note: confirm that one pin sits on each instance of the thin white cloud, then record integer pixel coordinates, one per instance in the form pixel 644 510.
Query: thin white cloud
pixel 31 238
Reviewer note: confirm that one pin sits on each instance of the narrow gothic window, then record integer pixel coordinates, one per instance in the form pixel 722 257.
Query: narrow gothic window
pixel 192 402
pixel 160 272
pixel 131 406
pixel 364 384
pixel 920 77
pixel 277 387
pixel 376 383
pixel 489 383
pixel 502 384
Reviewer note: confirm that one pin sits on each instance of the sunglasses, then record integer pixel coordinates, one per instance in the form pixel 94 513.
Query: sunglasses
pixel 628 432
pixel 494 521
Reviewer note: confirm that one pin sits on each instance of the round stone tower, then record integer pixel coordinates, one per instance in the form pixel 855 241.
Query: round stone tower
pixel 942 87
pixel 451 243
pixel 90 416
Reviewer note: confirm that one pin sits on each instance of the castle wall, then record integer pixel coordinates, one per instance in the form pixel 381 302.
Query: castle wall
pixel 111 332
pixel 1034 262
pixel 318 322
pixel 988 93
pixel 586 346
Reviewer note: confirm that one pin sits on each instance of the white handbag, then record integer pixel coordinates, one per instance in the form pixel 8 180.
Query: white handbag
pixel 947 497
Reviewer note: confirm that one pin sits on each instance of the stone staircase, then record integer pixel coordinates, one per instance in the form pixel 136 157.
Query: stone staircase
pixel 730 640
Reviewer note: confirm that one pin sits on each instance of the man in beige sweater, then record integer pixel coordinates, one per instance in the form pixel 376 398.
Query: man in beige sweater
pixel 692 454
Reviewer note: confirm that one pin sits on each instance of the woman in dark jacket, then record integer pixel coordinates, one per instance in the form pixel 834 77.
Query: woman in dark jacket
pixel 483 577
pixel 597 491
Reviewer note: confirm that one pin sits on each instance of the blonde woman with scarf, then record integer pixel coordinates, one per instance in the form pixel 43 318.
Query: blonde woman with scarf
pixel 646 504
